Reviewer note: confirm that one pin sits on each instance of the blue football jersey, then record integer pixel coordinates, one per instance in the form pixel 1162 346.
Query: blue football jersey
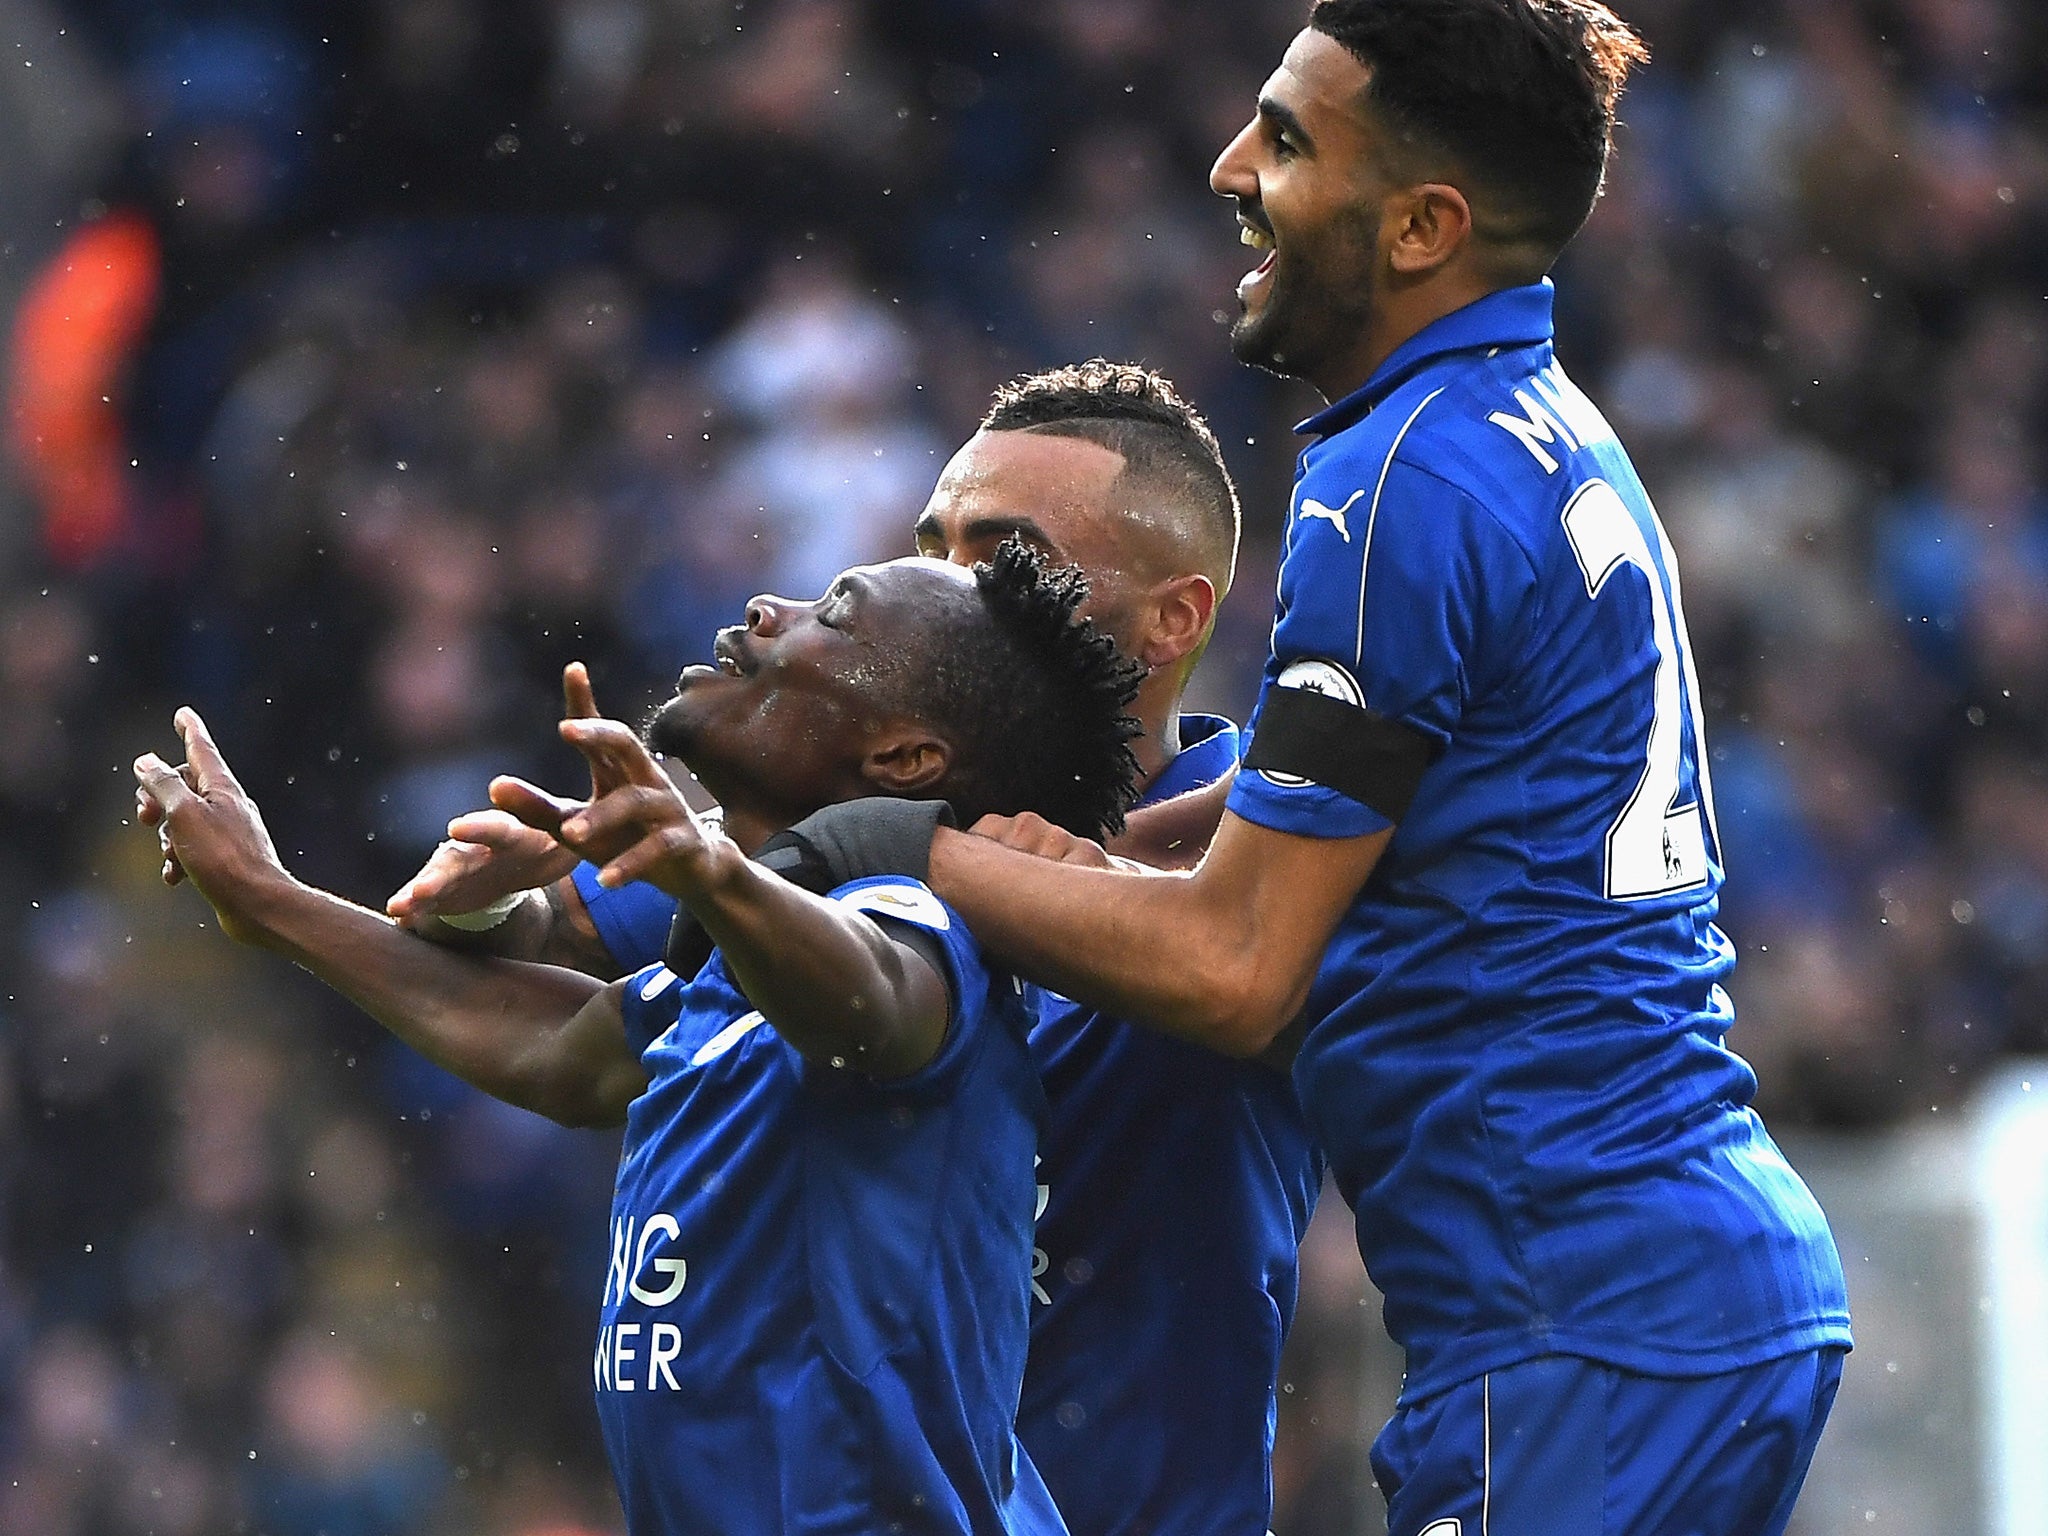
pixel 817 1306
pixel 1517 1066
pixel 1177 1184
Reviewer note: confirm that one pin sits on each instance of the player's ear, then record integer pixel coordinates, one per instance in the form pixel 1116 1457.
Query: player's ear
pixel 905 759
pixel 1427 226
pixel 1181 608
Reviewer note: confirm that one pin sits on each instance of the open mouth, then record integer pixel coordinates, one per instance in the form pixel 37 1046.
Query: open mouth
pixel 728 658
pixel 726 654
pixel 1258 235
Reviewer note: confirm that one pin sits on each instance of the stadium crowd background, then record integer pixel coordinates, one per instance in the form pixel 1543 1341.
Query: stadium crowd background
pixel 369 361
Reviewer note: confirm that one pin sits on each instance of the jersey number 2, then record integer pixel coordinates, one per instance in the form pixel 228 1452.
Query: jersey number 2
pixel 1655 845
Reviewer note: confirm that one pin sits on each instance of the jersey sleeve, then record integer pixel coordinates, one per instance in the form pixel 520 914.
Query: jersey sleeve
pixel 1389 598
pixel 633 920
pixel 650 1001
pixel 935 931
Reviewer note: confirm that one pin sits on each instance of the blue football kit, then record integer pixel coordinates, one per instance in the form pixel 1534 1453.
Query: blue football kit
pixel 1174 1187
pixel 1177 1186
pixel 817 1306
pixel 1517 1065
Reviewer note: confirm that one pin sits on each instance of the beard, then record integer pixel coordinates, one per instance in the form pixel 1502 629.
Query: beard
pixel 666 730
pixel 1317 307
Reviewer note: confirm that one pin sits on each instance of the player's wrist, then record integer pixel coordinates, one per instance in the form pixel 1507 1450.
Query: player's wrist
pixel 267 909
pixel 712 870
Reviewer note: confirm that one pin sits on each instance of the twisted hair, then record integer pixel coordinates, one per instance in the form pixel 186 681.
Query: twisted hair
pixel 1037 701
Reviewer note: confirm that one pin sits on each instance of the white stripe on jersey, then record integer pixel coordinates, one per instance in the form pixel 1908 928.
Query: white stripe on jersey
pixel 1372 516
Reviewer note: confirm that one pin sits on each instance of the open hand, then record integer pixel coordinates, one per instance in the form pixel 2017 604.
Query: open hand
pixel 636 825
pixel 210 830
pixel 490 854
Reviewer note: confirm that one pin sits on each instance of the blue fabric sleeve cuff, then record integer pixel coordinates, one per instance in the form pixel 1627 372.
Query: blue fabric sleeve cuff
pixel 633 920
pixel 1306 810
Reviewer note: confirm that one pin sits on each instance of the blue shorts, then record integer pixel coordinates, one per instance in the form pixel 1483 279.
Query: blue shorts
pixel 1561 1446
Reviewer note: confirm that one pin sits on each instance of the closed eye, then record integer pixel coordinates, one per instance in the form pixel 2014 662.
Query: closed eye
pixel 833 606
pixel 1284 130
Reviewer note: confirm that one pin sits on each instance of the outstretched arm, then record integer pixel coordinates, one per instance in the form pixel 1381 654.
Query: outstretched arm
pixel 546 1039
pixel 829 979
pixel 1221 955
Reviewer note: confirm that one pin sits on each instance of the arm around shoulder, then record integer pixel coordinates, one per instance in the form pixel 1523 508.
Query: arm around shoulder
pixel 1221 956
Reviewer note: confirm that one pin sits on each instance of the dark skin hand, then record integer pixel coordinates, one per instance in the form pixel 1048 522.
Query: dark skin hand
pixel 489 855
pixel 828 979
pixel 546 1039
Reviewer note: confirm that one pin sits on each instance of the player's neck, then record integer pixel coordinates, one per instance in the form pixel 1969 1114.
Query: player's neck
pixel 1158 741
pixel 751 828
pixel 1397 318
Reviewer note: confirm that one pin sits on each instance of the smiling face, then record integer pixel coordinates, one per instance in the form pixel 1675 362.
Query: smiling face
pixel 804 705
pixel 1310 173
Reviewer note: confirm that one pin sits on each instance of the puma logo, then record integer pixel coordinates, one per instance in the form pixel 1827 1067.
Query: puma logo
pixel 1310 507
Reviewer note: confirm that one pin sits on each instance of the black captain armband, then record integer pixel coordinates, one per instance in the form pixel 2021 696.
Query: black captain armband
pixel 875 836
pixel 1311 731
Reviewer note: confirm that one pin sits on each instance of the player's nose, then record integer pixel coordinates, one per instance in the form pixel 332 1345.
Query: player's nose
pixel 1232 175
pixel 768 614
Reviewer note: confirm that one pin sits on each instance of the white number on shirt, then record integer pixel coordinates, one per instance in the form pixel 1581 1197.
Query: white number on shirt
pixel 1654 845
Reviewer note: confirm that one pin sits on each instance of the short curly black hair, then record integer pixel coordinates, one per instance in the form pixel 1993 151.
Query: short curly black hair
pixel 1137 413
pixel 1520 94
pixel 1034 701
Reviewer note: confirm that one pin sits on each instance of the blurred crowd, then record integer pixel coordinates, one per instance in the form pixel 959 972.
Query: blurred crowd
pixel 369 361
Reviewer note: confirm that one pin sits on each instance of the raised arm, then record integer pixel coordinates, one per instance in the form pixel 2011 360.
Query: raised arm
pixel 1222 955
pixel 543 1038
pixel 832 981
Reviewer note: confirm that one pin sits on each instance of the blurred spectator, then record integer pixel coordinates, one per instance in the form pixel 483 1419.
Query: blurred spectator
pixel 404 352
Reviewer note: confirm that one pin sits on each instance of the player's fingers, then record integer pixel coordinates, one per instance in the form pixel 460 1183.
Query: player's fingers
pixel 644 857
pixel 531 804
pixel 147 811
pixel 1023 831
pixel 610 745
pixel 1079 850
pixel 449 861
pixel 637 807
pixel 1033 834
pixel 162 783
pixel 614 752
pixel 173 871
pixel 201 755
pixel 578 701
pixel 493 831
